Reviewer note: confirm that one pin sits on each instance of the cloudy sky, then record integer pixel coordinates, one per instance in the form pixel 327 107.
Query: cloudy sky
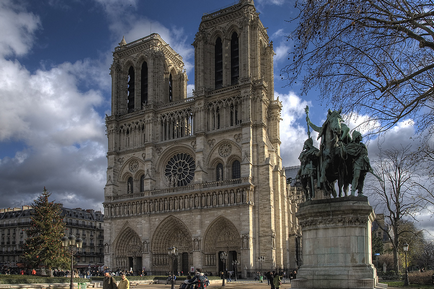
pixel 55 88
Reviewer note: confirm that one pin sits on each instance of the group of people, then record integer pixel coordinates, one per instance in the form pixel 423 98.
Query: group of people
pixel 109 282
pixel 274 279
pixel 198 281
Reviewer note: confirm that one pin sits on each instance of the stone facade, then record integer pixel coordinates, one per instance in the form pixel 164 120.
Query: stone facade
pixel 86 224
pixel 203 174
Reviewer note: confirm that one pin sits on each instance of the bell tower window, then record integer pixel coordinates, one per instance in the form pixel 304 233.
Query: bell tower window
pixel 130 89
pixel 218 63
pixel 236 170
pixel 170 88
pixel 142 183
pixel 235 59
pixel 144 84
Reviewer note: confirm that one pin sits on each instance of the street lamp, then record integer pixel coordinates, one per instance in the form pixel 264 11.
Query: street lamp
pixel 74 245
pixel 223 257
pixel 235 264
pixel 261 260
pixel 406 283
pixel 173 253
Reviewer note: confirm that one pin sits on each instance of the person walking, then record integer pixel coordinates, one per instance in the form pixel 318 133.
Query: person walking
pixel 277 281
pixel 124 283
pixel 109 281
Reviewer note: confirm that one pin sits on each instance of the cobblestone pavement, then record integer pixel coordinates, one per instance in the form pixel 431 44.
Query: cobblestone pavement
pixel 229 285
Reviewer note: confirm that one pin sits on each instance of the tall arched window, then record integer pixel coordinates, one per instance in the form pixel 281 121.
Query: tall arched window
pixel 235 59
pixel 219 172
pixel 170 88
pixel 144 83
pixel 218 51
pixel 236 170
pixel 130 89
pixel 142 183
pixel 130 185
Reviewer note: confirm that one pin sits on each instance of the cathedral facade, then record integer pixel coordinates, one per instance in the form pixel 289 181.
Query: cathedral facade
pixel 201 173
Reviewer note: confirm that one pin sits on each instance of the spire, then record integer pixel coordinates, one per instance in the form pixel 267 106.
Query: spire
pixel 123 42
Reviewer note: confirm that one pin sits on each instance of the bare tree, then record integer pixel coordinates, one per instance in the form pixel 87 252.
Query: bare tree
pixel 397 196
pixel 370 56
pixel 425 256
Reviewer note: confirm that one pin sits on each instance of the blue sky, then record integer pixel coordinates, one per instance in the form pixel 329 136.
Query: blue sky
pixel 55 87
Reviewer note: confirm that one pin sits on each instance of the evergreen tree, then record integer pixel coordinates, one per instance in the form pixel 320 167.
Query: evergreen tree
pixel 43 245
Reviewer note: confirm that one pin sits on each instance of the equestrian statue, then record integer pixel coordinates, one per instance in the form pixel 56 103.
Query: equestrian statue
pixel 341 158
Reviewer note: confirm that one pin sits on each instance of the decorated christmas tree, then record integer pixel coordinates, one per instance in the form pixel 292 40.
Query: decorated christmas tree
pixel 43 246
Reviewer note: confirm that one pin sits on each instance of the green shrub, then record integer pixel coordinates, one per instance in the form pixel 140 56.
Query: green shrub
pixel 420 277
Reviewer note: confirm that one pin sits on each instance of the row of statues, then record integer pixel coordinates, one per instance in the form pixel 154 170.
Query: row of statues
pixel 341 158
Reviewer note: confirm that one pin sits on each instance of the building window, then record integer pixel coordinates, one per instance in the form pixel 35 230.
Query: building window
pixel 218 51
pixel 170 88
pixel 236 170
pixel 180 170
pixel 131 89
pixel 144 84
pixel 219 172
pixel 130 185
pixel 142 183
pixel 235 59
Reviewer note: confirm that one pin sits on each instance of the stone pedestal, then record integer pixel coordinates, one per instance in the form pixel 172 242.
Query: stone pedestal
pixel 336 244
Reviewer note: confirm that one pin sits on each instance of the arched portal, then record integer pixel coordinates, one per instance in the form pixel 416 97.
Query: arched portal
pixel 221 236
pixel 171 232
pixel 128 251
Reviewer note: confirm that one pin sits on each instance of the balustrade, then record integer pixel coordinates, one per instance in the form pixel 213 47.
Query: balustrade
pixel 181 201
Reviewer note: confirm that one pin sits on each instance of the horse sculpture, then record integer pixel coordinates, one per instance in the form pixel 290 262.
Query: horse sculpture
pixel 340 159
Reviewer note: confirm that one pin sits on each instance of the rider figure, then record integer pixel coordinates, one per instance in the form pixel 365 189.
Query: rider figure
pixel 340 132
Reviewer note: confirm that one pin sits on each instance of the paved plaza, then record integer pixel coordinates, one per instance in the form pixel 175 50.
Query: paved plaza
pixel 229 285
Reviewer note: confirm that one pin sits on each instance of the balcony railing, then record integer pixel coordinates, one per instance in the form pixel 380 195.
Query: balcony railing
pixel 190 188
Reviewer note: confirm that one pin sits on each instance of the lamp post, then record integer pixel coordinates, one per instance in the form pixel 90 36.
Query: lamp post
pixel 406 283
pixel 173 253
pixel 261 260
pixel 235 264
pixel 223 257
pixel 74 245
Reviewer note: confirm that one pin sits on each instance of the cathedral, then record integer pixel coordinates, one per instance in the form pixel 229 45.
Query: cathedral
pixel 202 173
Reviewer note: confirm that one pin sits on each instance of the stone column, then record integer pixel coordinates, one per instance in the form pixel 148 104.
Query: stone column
pixel 336 244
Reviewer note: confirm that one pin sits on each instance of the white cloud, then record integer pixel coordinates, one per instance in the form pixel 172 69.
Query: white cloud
pixel 47 106
pixel 51 116
pixel 62 132
pixel 292 134
pixel 281 52
pixel 136 27
pixel 17 27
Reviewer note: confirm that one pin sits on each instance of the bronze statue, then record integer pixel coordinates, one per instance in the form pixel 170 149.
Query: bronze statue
pixel 340 158
pixel 307 173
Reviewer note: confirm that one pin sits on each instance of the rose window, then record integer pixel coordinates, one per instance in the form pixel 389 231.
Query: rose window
pixel 180 170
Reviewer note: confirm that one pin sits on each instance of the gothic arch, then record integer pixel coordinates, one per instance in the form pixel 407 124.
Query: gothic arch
pixel 221 235
pixel 233 28
pixel 171 232
pixel 127 171
pixel 216 34
pixel 128 244
pixel 213 156
pixel 170 152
